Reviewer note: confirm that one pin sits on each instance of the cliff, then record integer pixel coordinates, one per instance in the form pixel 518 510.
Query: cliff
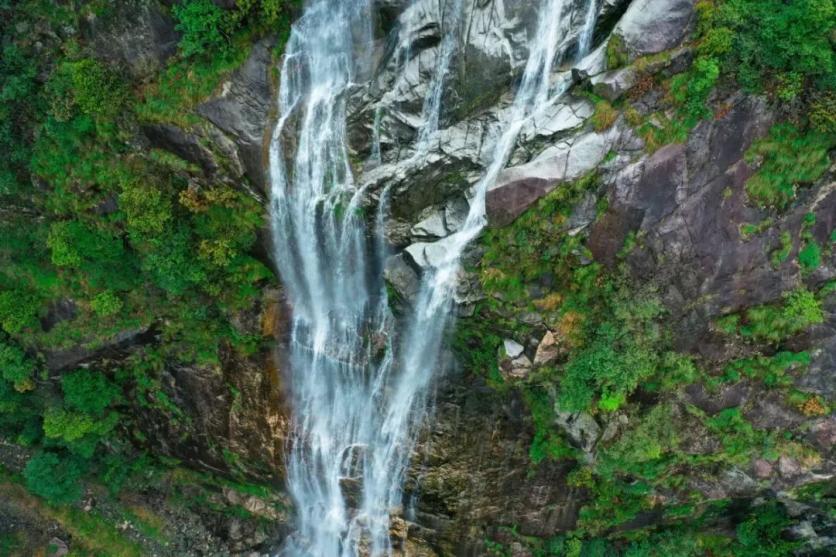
pixel 644 352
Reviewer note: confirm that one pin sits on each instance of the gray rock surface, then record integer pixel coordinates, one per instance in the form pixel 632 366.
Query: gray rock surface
pixel 651 26
pixel 242 109
pixel 136 36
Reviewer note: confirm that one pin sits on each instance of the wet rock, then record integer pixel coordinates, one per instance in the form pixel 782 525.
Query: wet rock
pixel 137 36
pixel 710 402
pixel 823 433
pixel 651 26
pixel 402 277
pixel 789 467
pixel 518 188
pixel 592 64
pixel 242 109
pixel 185 145
pixel 432 227
pixel 583 214
pixel 59 548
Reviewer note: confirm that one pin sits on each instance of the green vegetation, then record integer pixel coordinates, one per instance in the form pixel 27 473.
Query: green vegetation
pixel 788 159
pixel 771 45
pixel 782 253
pixel 771 370
pixel 773 323
pixel 101 237
pixel 616 53
pixel 604 116
pixel 53 477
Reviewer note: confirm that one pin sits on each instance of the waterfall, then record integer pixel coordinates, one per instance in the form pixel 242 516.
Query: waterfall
pixel 359 390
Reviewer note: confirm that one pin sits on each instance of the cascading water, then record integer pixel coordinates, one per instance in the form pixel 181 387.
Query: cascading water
pixel 358 394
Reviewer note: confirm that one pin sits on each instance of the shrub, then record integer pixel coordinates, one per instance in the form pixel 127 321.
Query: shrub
pixel 106 304
pixel 18 311
pixel 789 158
pixel 78 431
pixel 784 249
pixel 16 367
pixel 823 113
pixel 616 52
pixel 809 257
pixel 53 477
pixel 88 391
pixel 775 322
pixel 692 88
pixel 778 43
pixel 202 24
pixel 760 535
pixel 772 371
pixel 604 117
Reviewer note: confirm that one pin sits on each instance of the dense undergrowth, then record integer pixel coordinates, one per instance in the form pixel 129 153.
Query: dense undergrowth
pixel 99 236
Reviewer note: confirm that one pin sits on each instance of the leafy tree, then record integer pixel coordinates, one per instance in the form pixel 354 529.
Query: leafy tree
pixel 777 44
pixel 16 367
pixel 203 26
pixel 88 391
pixel 54 477
pixel 106 304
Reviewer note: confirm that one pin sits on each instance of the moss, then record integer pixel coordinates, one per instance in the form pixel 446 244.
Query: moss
pixel 773 323
pixel 748 230
pixel 788 158
pixel 782 253
pixel 604 116
pixel 617 55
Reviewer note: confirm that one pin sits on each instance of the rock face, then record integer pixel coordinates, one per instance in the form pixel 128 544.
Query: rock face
pixel 651 26
pixel 242 110
pixel 471 474
pixel 139 37
pixel 228 418
pixel 688 201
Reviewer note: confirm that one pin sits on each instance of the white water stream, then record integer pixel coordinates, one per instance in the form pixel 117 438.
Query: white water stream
pixel 359 387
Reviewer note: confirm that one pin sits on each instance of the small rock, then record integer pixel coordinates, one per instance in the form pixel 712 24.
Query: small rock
pixel 762 469
pixel 513 349
pixel 612 85
pixel 57 548
pixel 789 467
pixel 402 277
pixel 513 362
pixel 431 227
pixel 548 350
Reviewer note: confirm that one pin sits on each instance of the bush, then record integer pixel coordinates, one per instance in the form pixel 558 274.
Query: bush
pixel 88 391
pixel 777 44
pixel 789 158
pixel 809 257
pixel 16 367
pixel 53 477
pixel 106 304
pixel 774 323
pixel 203 26
pixel 18 311
pixel 692 88
pixel 604 117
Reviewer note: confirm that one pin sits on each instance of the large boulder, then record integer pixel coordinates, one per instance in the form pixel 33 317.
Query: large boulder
pixel 651 26
pixel 517 188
